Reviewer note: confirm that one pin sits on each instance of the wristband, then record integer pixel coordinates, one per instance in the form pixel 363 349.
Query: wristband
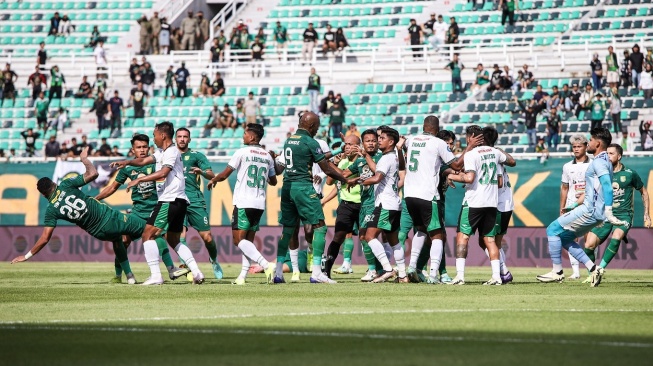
pixel 575 205
pixel 28 255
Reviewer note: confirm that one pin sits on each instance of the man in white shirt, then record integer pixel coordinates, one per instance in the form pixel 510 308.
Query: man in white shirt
pixel 100 57
pixel 440 29
pixel 168 215
pixel 252 109
pixel 479 209
pixel 255 169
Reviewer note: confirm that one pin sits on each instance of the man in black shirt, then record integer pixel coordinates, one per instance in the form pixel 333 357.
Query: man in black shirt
pixel 52 148
pixel 85 90
pixel 215 49
pixel 116 107
pixel 147 78
pixel 428 26
pixel 415 33
pixel 453 32
pixel 182 77
pixel 329 41
pixel 257 57
pixel 572 100
pixel 495 79
pixel 101 108
pixel 134 71
pixel 553 128
pixel 217 86
pixel 37 81
pixel 54 24
pixel 104 149
pixel 65 152
pixel 326 102
pixel 310 41
pixel 531 110
pixel 636 65
pixel 139 99
pixel 30 140
pixel 42 56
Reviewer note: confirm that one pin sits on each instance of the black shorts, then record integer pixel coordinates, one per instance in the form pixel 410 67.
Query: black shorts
pixel 169 216
pixel 41 120
pixel 386 220
pixel 247 219
pixel 424 213
pixel 504 220
pixel 347 216
pixel 483 219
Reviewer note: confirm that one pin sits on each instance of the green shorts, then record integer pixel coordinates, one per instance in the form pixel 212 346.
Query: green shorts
pixel 463 221
pixel 300 202
pixel 386 220
pixel 197 216
pixel 406 222
pixel 603 232
pixel 365 216
pixel 121 224
pixel 246 219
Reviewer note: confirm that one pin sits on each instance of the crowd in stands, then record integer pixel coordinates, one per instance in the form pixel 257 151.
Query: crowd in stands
pixel 53 148
pixel 157 37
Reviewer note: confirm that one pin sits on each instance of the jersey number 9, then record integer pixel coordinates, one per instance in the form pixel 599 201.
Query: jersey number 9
pixel 288 157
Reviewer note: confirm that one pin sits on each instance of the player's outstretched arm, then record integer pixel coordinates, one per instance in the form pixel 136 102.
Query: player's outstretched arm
pixel 458 163
pixel 207 174
pixel 332 171
pixel 221 177
pixel 645 203
pixel 109 190
pixel 158 175
pixel 375 179
pixel 43 240
pixel 330 196
pixel 463 177
pixel 510 161
pixel 91 173
pixel 134 162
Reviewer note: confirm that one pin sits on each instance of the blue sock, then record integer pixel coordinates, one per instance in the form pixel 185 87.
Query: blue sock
pixel 555 244
pixel 577 252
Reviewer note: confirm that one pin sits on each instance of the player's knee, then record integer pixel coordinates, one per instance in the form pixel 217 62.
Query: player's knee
pixel 206 236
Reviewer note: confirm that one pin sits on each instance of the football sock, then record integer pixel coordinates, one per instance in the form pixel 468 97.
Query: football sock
pixel 502 258
pixel 245 267
pixel 187 256
pixel 369 256
pixel 418 243
pixel 460 268
pixel 213 250
pixel 249 250
pixel 398 253
pixel 151 251
pixel 496 269
pixel 577 252
pixel 443 263
pixel 436 257
pixel 348 249
pixel 424 254
pixel 379 253
pixel 164 252
pixel 402 238
pixel 388 250
pixel 610 252
pixel 282 248
pixel 332 255
pixel 182 240
pixel 294 260
pixel 590 254
pixel 117 267
pixel 121 256
pixel 574 264
pixel 319 241
pixel 555 250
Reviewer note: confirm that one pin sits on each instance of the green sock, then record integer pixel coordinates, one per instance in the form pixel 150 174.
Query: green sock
pixel 213 250
pixel 121 256
pixel 349 247
pixel 443 264
pixel 117 267
pixel 590 253
pixel 402 239
pixel 284 241
pixel 610 252
pixel 164 252
pixel 319 241
pixel 369 256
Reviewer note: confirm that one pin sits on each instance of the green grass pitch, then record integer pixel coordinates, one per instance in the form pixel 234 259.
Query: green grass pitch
pixel 68 314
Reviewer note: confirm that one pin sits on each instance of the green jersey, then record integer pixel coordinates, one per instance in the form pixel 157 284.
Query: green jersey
pixel 144 195
pixel 611 62
pixel 624 184
pixel 353 194
pixel 456 68
pixel 42 106
pixel 598 110
pixel 193 159
pixel 57 78
pixel 300 152
pixel 362 169
pixel 480 80
pixel 280 34
pixel 68 203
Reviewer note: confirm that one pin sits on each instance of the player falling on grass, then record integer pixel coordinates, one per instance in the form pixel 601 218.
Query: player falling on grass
pixel 67 202
pixel 573 185
pixel 170 210
pixel 144 198
pixel 426 153
pixel 625 182
pixel 594 210
pixel 299 201
pixel 196 166
pixel 387 205
pixel 255 169
pixel 479 211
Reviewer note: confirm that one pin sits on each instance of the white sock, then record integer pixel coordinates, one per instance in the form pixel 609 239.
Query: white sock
pixel 279 270
pixel 575 266
pixel 245 267
pixel 436 257
pixel 187 256
pixel 151 251
pixel 249 250
pixel 398 253
pixel 557 268
pixel 347 262
pixel 379 253
pixel 487 253
pixel 294 260
pixel 418 244
pixel 502 257
pixel 496 269
pixel 460 268
pixel 388 250
pixel 589 264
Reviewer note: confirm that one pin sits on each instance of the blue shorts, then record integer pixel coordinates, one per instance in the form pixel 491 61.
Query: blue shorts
pixel 579 221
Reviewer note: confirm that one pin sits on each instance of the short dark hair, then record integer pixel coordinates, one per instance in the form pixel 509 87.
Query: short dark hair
pixel 603 134
pixel 183 129
pixel 368 132
pixel 257 129
pixel 490 135
pixel 167 128
pixel 473 130
pixel 140 137
pixel 45 186
pixel 620 150
pixel 432 121
pixel 391 133
pixel 446 135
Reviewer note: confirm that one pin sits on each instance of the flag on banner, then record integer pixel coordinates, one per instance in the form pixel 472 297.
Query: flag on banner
pixel 67 169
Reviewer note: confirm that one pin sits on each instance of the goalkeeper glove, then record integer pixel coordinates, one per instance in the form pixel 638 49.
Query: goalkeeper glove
pixel 613 220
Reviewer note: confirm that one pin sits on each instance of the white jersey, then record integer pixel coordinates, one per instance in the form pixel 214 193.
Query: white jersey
pixel 173 186
pixel 440 29
pixel 386 191
pixel 506 203
pixel 316 168
pixel 484 191
pixel 573 174
pixel 254 166
pixel 426 153
pixel 100 58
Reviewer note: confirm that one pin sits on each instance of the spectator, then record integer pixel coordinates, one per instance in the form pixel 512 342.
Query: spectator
pixel 586 99
pixel 440 29
pixel 182 77
pixel 135 71
pixel 453 32
pixel 516 85
pixel 164 37
pixel 636 65
pixel 252 109
pixel 495 79
pixel 527 79
pixel 646 83
pixel 257 57
pixel 100 56
pixel 139 100
pixel 189 30
pixel 415 34
pixel 553 129
pixel 456 68
pixel 598 111
pixel 612 67
pixel 280 35
pixel 242 26
pixel 100 84
pixel 115 152
pixel 101 108
pixel 326 102
pixel 74 149
pixel 220 43
pixel 52 148
pixel 482 78
pixel 30 141
pixel 155 24
pixel 539 94
pixel 57 83
pixel 341 40
pixel 217 86
pixel 506 78
pixel 353 130
pixel 530 118
pixel 216 51
pixel 95 37
pixel 508 8
pixel 79 147
pixel 261 36
pixel 540 148
pixel 37 81
pixel 147 78
pixel 116 107
pixel 104 149
pixel 336 119
pixel 338 99
pixel 41 56
pixel 329 41
pixel 60 120
pixel 85 90
pixel 65 26
pixel 310 41
pixel 145 34
pixel 205 86
pixel 648 59
pixel 244 44
pixel 427 27
pixel 202 31
pixel 569 98
pixel 9 89
pixel 175 39
pixel 213 121
pixel 54 24
pixel 646 136
pixel 240 113
pixel 554 100
pixel 221 119
pixel 625 143
pixel 457 148
pixel 597 71
pixel 615 110
pixel 313 90
pixel 170 79
pixel 41 106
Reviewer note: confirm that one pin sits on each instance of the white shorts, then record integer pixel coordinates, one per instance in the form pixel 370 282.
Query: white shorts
pixel 613 77
pixel 579 221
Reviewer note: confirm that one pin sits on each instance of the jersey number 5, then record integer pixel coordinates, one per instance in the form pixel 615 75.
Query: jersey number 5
pixel 413 163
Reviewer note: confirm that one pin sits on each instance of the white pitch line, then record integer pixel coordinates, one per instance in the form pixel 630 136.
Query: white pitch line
pixel 336 335
pixel 322 313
